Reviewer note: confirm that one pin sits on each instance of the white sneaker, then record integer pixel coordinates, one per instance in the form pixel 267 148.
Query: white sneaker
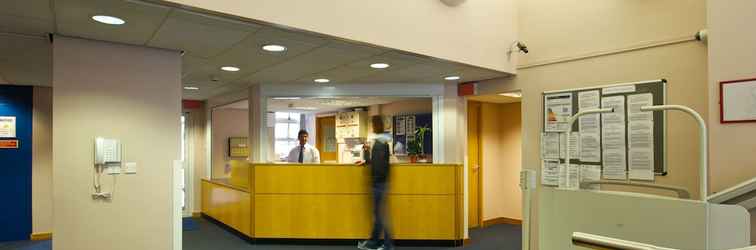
pixel 364 245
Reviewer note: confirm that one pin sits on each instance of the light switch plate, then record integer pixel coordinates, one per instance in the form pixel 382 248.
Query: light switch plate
pixel 130 168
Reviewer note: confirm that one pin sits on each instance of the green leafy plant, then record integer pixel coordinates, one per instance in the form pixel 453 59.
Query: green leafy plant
pixel 420 137
pixel 414 147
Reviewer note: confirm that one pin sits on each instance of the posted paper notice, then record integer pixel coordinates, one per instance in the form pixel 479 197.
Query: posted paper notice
pixel 550 145
pixel 615 164
pixel 574 145
pixel 550 173
pixel 572 172
pixel 641 164
pixel 635 102
pixel 557 112
pixel 591 173
pixel 590 147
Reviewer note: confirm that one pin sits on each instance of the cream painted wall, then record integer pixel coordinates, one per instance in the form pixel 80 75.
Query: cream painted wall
pixel 42 180
pixel 501 139
pixel 732 56
pixel 127 92
pixel 226 123
pixel 560 37
pixel 414 106
pixel 478 32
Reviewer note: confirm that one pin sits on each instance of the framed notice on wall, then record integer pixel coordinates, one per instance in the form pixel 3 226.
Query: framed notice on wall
pixel 737 101
pixel 7 127
pixel 237 147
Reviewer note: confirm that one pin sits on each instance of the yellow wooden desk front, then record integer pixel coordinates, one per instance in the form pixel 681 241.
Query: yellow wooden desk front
pixel 332 201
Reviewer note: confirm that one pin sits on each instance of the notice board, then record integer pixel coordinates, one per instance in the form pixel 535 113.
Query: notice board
pixel 627 142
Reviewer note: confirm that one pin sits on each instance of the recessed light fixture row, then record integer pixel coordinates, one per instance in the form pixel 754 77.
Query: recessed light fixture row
pixel 322 80
pixel 108 19
pixel 452 78
pixel 191 88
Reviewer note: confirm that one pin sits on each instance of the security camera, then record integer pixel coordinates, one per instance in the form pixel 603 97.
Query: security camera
pixel 214 78
pixel 521 46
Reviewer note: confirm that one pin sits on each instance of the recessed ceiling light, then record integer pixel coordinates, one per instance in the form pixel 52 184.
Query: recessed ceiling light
pixel 191 88
pixel 512 94
pixel 452 78
pixel 230 68
pixel 108 20
pixel 274 48
pixel 379 65
pixel 321 80
pixel 287 98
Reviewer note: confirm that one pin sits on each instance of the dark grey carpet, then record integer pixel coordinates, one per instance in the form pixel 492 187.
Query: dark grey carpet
pixel 212 237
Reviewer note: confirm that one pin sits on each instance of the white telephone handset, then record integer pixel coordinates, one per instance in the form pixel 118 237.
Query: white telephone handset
pixel 107 152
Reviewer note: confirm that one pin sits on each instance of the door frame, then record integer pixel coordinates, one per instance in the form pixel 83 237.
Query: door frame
pixel 188 163
pixel 477 105
pixel 320 144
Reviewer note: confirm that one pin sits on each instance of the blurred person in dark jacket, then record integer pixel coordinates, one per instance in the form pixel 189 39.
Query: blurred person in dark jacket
pixel 377 157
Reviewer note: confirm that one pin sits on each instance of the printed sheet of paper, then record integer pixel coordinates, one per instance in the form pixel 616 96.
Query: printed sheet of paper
pixel 558 109
pixel 590 147
pixel 7 126
pixel 641 164
pixel 550 173
pixel 573 176
pixel 635 102
pixel 613 124
pixel 641 135
pixel 591 173
pixel 589 100
pixel 574 145
pixel 615 164
pixel 401 124
pixel 550 145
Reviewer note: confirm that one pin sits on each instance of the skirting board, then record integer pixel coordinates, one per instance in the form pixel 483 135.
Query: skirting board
pixel 41 236
pixel 501 220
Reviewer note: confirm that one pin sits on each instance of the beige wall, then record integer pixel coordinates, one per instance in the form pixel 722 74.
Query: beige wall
pixel 478 32
pixel 414 106
pixel 226 123
pixel 732 56
pixel 126 92
pixel 501 140
pixel 42 201
pixel 583 43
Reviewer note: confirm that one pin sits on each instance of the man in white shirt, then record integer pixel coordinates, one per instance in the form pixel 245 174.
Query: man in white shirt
pixel 303 153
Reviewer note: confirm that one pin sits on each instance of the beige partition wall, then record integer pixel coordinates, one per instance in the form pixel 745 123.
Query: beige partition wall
pixel 124 92
pixel 583 43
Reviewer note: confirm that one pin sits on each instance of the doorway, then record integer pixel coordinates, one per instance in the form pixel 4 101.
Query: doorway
pixel 475 206
pixel 494 141
pixel 325 130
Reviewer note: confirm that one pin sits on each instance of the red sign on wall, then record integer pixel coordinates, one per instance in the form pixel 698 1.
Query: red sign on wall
pixel 465 89
pixel 8 144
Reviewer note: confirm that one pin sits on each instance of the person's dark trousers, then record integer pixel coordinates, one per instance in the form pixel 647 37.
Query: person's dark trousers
pixel 379 223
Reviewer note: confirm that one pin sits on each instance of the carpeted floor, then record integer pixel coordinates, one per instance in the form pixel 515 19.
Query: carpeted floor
pixel 208 236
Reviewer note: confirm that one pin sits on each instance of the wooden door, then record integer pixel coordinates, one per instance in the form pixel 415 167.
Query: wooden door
pixel 325 129
pixel 475 215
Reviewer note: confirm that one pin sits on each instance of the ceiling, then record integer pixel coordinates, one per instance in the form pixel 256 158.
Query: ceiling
pixel 209 42
pixel 495 98
pixel 320 104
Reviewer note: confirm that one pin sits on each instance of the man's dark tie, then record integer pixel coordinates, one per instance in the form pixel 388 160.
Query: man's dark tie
pixel 301 154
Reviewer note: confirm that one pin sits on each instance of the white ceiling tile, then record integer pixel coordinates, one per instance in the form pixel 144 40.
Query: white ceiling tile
pixel 37 9
pixel 321 59
pixel 25 60
pixel 74 18
pixel 199 34
pixel 28 26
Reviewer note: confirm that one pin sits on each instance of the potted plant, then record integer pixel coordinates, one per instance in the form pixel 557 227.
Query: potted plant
pixel 420 139
pixel 413 150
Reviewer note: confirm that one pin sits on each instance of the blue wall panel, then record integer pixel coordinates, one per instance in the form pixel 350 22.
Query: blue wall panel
pixel 16 166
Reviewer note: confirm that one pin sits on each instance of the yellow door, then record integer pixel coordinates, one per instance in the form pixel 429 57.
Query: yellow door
pixel 474 162
pixel 326 142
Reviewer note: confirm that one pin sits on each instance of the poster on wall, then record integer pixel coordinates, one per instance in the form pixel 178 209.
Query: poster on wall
pixel 7 127
pixel 557 112
pixel 737 101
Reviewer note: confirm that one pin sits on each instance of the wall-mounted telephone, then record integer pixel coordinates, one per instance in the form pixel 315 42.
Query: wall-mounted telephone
pixel 107 158
pixel 107 152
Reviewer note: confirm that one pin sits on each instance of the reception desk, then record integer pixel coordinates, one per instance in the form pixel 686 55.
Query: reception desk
pixel 332 201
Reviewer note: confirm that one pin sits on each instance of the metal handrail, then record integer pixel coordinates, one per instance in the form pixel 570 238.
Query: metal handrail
pixel 593 240
pixel 681 192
